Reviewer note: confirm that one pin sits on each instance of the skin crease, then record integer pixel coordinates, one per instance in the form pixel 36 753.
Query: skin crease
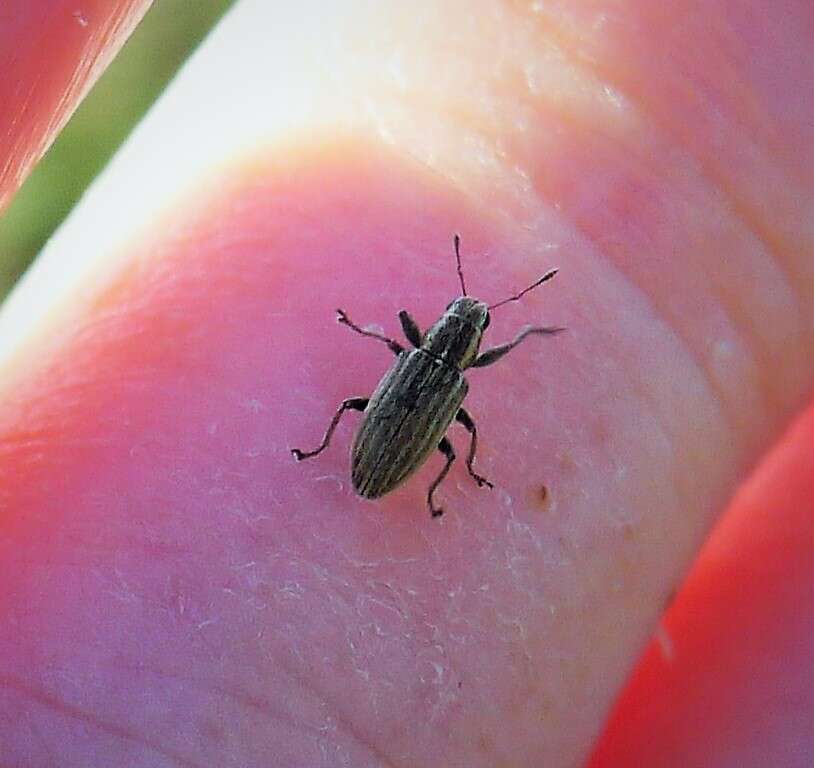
pixel 180 592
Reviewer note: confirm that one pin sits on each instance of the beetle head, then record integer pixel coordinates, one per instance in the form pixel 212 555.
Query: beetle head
pixel 471 311
pixel 455 338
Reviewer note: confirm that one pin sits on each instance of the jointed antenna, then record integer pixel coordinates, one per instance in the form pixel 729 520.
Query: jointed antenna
pixel 458 260
pixel 546 276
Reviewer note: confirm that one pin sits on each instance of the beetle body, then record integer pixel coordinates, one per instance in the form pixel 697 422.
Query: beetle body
pixel 408 415
pixel 414 404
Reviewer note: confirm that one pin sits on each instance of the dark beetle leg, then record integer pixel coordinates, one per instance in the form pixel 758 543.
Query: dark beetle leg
pixel 464 418
pixel 354 403
pixel 342 317
pixel 446 448
pixel 410 328
pixel 495 353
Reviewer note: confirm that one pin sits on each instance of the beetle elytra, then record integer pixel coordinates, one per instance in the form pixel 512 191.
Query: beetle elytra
pixel 407 416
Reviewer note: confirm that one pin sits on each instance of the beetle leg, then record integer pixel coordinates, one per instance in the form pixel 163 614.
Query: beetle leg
pixel 446 448
pixel 354 403
pixel 342 317
pixel 495 353
pixel 464 418
pixel 410 328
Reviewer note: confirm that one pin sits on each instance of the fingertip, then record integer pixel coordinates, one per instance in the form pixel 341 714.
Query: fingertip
pixel 51 53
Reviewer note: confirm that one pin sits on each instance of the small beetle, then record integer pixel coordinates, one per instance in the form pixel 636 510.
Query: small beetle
pixel 417 399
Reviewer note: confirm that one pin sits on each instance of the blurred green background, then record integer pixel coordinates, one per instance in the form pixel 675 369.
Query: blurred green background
pixel 168 34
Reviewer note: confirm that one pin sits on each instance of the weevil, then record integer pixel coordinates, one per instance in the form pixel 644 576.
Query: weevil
pixel 408 414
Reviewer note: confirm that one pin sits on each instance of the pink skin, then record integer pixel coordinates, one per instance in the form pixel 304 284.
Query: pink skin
pixel 179 591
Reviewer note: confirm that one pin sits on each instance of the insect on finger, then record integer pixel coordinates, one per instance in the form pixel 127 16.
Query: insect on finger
pixel 407 416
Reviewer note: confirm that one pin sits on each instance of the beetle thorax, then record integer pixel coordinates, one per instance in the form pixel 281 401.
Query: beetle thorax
pixel 456 337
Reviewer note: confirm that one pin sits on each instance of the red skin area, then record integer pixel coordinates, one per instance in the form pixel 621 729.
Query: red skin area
pixel 735 685
pixel 180 591
pixel 51 53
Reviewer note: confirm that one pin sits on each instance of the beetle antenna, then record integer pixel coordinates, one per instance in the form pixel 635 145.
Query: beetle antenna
pixel 546 276
pixel 458 261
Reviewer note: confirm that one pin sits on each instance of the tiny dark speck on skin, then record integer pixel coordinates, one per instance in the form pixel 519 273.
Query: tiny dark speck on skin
pixel 485 743
pixel 541 496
